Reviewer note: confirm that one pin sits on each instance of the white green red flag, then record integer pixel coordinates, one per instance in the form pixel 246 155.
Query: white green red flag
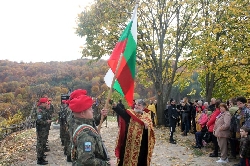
pixel 125 47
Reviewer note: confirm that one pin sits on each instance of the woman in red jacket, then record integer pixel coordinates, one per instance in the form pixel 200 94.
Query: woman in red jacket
pixel 210 126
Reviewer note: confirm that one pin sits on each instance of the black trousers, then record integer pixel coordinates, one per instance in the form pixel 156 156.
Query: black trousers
pixel 234 145
pixel 216 146
pixel 193 123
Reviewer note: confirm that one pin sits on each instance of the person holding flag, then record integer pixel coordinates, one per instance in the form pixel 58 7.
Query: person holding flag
pixel 136 138
pixel 136 135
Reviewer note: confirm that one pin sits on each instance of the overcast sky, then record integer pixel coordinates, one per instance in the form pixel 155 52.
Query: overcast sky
pixel 40 30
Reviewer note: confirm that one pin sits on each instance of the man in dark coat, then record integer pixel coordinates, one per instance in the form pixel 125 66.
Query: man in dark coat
pixel 173 115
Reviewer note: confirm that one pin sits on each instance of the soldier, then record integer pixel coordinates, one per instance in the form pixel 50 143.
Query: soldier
pixel 42 122
pixel 70 121
pixel 62 121
pixel 68 133
pixel 65 115
pixel 49 116
pixel 88 148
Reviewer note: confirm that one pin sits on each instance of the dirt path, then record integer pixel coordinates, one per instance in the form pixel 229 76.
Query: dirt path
pixel 164 154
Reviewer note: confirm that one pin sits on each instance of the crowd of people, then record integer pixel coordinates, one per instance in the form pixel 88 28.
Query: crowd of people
pixel 83 145
pixel 223 124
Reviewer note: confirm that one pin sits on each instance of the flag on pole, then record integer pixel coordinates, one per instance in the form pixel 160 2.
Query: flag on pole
pixel 126 47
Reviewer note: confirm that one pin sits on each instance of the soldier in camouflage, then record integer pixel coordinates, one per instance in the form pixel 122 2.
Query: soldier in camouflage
pixel 70 122
pixel 63 122
pixel 64 114
pixel 42 122
pixel 87 146
pixel 49 116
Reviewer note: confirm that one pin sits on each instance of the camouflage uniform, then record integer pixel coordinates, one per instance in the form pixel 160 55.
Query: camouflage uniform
pixel 70 123
pixel 63 123
pixel 50 111
pixel 41 129
pixel 67 145
pixel 88 148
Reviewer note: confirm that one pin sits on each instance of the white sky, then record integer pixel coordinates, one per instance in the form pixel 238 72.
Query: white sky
pixel 40 30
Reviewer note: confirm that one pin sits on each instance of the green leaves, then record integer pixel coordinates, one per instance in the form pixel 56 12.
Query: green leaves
pixel 222 49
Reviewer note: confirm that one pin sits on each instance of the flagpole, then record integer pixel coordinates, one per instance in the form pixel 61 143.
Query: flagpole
pixel 110 92
pixel 114 78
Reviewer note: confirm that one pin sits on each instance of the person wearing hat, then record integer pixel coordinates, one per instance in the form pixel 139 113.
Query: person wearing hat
pixel 136 138
pixel 49 112
pixel 173 116
pixel 70 120
pixel 41 128
pixel 64 132
pixel 87 145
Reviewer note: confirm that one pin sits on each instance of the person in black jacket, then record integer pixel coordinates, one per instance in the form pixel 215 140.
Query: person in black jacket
pixel 185 115
pixel 173 115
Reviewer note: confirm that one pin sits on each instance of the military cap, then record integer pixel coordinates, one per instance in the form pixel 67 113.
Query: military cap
pixel 77 93
pixel 43 100
pixel 81 103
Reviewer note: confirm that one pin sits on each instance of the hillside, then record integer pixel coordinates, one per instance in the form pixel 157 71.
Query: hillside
pixel 22 84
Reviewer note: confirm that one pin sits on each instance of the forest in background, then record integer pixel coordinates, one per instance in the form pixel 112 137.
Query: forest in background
pixel 22 84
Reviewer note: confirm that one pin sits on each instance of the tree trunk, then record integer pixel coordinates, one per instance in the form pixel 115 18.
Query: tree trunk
pixel 160 109
pixel 209 86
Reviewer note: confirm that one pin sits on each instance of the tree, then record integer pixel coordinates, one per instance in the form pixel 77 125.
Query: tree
pixel 164 30
pixel 220 50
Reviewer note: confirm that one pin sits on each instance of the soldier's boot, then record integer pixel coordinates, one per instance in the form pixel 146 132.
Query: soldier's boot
pixel 45 161
pixel 44 156
pixel 69 158
pixel 41 161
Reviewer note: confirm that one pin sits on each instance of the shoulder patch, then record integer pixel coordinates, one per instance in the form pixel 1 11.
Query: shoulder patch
pixel 87 146
pixel 39 116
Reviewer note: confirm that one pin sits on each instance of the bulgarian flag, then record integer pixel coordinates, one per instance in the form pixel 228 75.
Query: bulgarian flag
pixel 125 51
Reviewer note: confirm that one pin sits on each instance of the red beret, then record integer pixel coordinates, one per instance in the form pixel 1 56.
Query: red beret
pixel 77 93
pixel 43 100
pixel 81 103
